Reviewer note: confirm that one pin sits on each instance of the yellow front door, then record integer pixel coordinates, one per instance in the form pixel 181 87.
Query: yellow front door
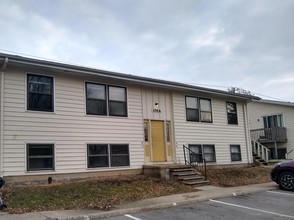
pixel 158 141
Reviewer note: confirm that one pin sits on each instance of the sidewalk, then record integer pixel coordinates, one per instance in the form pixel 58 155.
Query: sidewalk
pixel 205 193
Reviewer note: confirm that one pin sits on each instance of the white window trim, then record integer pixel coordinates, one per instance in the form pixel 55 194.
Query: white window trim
pixel 26 93
pixel 202 151
pixel 109 156
pixel 235 161
pixel 199 109
pixel 107 99
pixel 26 157
pixel 227 113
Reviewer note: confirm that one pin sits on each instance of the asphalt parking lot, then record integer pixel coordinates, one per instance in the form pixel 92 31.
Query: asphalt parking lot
pixel 275 204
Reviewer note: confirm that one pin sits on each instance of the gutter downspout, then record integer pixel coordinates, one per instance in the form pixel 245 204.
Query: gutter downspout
pixel 2 117
pixel 247 136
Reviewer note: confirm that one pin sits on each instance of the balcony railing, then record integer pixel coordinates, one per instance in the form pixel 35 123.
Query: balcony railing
pixel 269 135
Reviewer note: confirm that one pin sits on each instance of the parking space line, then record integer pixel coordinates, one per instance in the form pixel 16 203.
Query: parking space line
pixel 132 217
pixel 245 207
pixel 288 194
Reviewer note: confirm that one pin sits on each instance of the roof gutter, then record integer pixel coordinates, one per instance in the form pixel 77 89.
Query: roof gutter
pixel 2 117
pixel 273 102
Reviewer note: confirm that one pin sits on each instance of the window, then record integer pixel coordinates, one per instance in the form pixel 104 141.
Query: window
pixel 40 93
pixel 105 155
pixel 99 102
pixel 209 153
pixel 198 109
pixel 206 151
pixel 40 157
pixel 98 155
pixel 232 113
pixel 117 101
pixel 205 110
pixel 235 153
pixel 119 155
pixel 96 99
pixel 196 156
pixel 192 110
pixel 273 121
pixel 167 131
pixel 146 130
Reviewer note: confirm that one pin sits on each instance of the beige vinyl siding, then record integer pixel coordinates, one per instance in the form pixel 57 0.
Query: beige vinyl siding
pixel 218 133
pixel 150 96
pixel 256 112
pixel 68 127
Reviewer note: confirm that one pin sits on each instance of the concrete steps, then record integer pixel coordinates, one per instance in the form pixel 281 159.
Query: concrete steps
pixel 197 183
pixel 188 176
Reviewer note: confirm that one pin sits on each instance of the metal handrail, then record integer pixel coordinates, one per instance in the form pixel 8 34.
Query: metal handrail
pixel 287 154
pixel 194 160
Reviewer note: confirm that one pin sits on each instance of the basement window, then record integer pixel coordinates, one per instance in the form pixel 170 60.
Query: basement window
pixel 108 155
pixel 119 155
pixel 196 154
pixel 98 155
pixel 235 153
pixel 206 151
pixel 40 157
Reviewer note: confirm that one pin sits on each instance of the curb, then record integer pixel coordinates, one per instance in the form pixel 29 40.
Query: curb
pixel 164 205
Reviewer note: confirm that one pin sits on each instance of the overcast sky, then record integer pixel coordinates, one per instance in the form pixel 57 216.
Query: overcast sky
pixel 247 44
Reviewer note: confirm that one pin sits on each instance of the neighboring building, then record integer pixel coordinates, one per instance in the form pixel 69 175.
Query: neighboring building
pixel 59 119
pixel 272 125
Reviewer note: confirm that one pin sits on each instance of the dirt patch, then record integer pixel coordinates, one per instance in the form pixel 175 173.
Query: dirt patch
pixel 99 194
pixel 105 193
pixel 228 177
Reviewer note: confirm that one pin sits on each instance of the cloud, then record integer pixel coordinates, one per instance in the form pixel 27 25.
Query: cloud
pixel 283 79
pixel 214 38
pixel 224 43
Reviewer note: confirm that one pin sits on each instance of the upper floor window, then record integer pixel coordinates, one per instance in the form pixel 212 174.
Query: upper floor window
pixel 40 93
pixel 102 101
pixel 96 99
pixel 232 113
pixel 198 109
pixel 205 110
pixel 273 121
pixel 117 101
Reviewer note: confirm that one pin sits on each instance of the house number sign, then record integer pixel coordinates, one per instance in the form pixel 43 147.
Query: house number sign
pixel 155 110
